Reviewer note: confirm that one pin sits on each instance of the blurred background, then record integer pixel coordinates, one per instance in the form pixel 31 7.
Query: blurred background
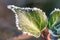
pixel 8 28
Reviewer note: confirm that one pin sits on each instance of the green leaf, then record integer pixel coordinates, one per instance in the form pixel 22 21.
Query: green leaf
pixel 31 20
pixel 54 20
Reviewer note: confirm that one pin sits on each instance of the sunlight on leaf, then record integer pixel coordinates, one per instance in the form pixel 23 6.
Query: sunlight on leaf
pixel 30 20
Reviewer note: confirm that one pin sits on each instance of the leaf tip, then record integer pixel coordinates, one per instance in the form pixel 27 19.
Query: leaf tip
pixel 56 9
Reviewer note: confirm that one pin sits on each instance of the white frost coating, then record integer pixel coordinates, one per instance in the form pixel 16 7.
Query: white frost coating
pixel 12 7
pixel 16 16
pixel 31 34
pixel 27 8
pixel 17 22
pixel 56 9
